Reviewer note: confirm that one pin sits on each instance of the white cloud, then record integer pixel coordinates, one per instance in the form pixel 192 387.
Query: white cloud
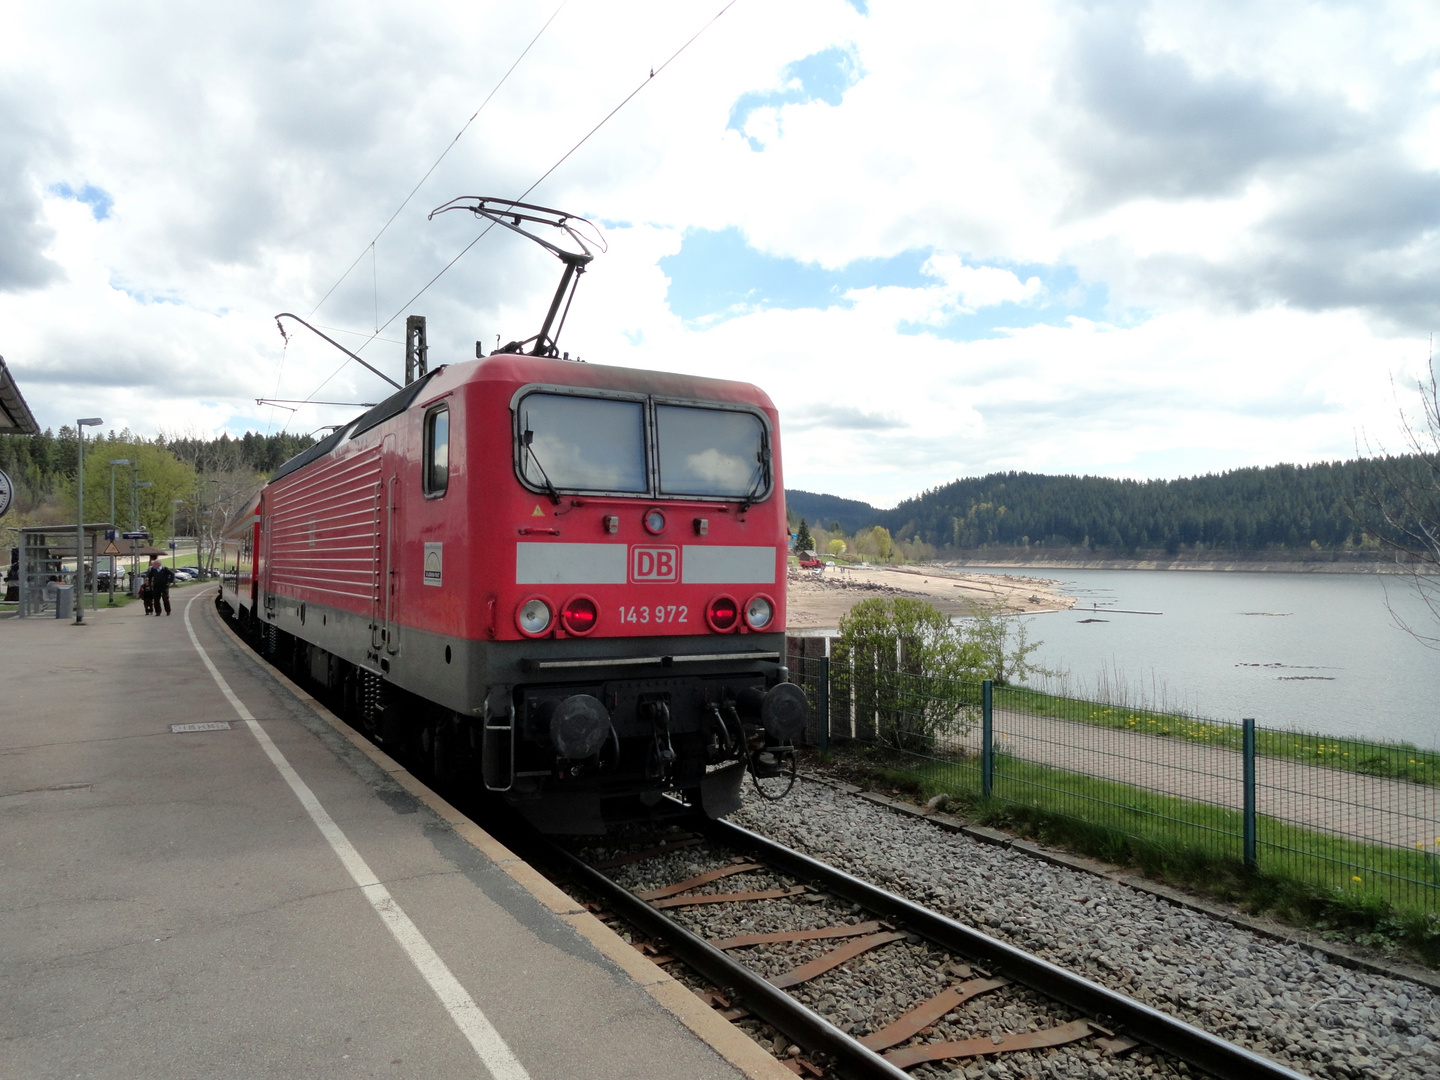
pixel 1255 190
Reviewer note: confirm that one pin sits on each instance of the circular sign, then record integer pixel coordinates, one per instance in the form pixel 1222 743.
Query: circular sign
pixel 7 494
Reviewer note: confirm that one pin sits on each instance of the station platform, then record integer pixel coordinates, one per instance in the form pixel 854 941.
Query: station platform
pixel 278 898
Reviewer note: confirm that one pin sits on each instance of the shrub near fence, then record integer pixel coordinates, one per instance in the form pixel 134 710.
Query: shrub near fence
pixel 1358 817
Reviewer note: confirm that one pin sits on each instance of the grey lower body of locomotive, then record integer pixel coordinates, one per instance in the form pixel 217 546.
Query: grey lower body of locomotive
pixel 570 731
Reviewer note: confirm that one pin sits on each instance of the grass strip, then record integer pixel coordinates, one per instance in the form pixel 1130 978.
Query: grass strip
pixel 1347 890
pixel 1395 761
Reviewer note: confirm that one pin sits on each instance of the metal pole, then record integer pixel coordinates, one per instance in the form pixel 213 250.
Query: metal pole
pixel 78 589
pixel 135 486
pixel 175 548
pixel 823 691
pixel 1248 731
pixel 112 526
pixel 113 463
pixel 24 574
pixel 987 738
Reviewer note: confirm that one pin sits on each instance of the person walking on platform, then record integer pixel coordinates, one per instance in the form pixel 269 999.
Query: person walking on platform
pixel 145 592
pixel 160 577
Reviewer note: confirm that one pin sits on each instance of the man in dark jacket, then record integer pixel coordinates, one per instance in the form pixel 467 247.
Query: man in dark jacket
pixel 159 576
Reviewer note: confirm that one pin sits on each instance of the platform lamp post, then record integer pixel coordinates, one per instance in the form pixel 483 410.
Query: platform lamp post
pixel 79 591
pixel 135 486
pixel 200 520
pixel 174 549
pixel 113 463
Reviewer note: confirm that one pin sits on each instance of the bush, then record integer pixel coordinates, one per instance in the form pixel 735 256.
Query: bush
pixel 992 632
pixel 910 667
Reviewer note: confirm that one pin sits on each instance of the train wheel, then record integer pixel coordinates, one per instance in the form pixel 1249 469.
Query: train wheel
pixel 350 697
pixel 450 753
pixel 422 748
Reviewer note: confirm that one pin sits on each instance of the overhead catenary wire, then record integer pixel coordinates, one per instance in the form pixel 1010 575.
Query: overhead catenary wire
pixel 358 333
pixel 543 176
pixel 370 247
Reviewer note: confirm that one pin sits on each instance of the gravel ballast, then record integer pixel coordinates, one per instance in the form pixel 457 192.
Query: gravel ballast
pixel 1282 1000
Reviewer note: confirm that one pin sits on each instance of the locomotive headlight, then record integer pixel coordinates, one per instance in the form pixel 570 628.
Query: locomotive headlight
pixel 759 612
pixel 533 616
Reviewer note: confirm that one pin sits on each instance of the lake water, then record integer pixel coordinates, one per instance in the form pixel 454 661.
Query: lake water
pixel 1314 652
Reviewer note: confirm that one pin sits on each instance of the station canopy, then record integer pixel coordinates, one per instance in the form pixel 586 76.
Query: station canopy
pixel 15 415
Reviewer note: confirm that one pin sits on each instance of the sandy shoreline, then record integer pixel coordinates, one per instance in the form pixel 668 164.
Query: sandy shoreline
pixel 1298 566
pixel 816 601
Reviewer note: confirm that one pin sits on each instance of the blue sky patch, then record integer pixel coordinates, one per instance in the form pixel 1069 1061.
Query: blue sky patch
pixel 98 199
pixel 146 297
pixel 822 76
pixel 716 276
pixel 859 5
pixel 1064 295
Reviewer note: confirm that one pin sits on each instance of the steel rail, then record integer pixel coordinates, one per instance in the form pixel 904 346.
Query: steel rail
pixel 1197 1048
pixel 768 1002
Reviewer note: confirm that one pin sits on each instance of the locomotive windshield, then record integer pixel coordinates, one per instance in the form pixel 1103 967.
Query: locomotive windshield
pixel 583 444
pixel 710 452
pixel 568 442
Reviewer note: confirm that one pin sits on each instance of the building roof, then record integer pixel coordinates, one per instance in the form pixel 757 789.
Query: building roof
pixel 15 415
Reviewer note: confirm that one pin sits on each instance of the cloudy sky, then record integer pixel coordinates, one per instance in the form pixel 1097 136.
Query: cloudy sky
pixel 1132 239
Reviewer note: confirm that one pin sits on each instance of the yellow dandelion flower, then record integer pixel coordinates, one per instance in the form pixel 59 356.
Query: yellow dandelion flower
pixel 1357 879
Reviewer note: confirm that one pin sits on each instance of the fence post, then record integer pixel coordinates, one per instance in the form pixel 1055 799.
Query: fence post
pixel 823 701
pixel 1248 729
pixel 987 739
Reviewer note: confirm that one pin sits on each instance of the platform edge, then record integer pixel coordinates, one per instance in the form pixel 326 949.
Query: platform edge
pixel 721 1036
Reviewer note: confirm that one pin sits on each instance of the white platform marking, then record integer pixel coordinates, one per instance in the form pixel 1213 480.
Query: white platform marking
pixel 476 1027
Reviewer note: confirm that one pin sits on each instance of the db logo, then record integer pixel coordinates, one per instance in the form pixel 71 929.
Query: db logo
pixel 654 564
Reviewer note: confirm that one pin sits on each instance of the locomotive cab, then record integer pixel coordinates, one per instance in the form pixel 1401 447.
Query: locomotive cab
pixel 649 574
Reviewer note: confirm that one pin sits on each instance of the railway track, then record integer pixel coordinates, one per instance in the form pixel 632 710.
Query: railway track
pixel 784 974
pixel 782 937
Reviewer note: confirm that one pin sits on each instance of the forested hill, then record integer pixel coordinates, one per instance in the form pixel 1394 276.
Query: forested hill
pixel 1247 510
pixel 851 515
pixel 42 467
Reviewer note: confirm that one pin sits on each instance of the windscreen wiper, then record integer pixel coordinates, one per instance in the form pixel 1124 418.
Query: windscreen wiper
pixel 527 439
pixel 762 473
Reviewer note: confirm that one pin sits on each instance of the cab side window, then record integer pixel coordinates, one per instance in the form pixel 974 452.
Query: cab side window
pixel 437 451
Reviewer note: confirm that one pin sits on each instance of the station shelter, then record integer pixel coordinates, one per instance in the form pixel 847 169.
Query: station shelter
pixel 45 551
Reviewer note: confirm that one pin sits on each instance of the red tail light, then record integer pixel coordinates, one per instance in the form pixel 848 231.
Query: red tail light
pixel 579 615
pixel 723 614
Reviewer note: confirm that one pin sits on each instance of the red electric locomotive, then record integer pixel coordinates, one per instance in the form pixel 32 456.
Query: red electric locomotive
pixel 559 581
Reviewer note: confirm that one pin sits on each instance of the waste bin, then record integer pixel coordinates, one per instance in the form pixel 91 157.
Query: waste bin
pixel 134 586
pixel 64 601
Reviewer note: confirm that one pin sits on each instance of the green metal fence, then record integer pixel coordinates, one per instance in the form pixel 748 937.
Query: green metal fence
pixel 1354 815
